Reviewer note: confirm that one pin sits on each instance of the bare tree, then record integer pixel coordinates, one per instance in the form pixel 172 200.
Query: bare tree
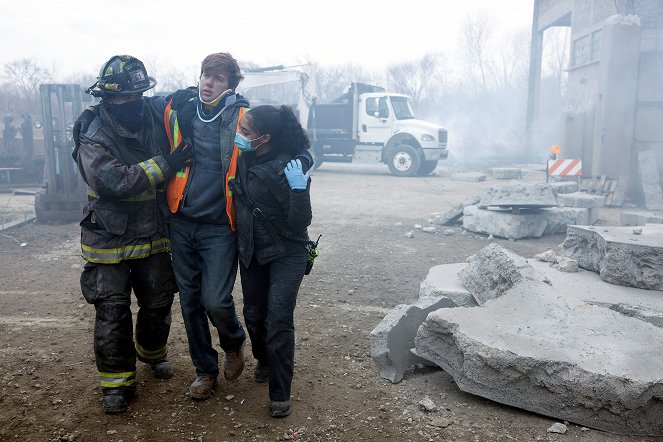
pixel 510 64
pixel 556 53
pixel 416 78
pixel 476 33
pixel 331 82
pixel 26 75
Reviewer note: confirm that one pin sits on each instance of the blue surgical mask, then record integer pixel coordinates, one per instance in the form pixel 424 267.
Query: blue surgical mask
pixel 244 144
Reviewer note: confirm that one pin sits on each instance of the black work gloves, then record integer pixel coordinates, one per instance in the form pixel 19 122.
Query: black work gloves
pixel 180 157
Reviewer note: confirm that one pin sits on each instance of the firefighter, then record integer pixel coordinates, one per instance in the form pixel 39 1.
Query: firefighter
pixel 123 231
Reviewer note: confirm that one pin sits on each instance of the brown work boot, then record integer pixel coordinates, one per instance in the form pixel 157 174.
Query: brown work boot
pixel 203 387
pixel 234 364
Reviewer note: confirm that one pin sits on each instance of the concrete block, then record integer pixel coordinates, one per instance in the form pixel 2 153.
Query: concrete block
pixel 468 176
pixel 640 218
pixel 654 317
pixel 492 271
pixel 393 337
pixel 564 187
pixel 650 180
pixel 620 255
pixel 536 348
pixel 519 195
pixel 455 212
pixel 442 281
pixel 506 173
pixel 528 223
pixel 581 199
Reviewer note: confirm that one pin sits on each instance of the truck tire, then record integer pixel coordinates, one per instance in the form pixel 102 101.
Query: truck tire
pixel 403 160
pixel 427 166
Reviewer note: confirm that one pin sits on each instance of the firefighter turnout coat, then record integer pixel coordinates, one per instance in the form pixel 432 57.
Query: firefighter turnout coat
pixel 125 214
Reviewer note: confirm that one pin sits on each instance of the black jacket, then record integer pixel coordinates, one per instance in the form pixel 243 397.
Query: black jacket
pixel 125 173
pixel 261 182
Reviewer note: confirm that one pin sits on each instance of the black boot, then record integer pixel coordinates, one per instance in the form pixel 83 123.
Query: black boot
pixel 115 401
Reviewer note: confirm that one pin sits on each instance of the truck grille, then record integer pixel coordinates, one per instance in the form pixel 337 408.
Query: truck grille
pixel 443 137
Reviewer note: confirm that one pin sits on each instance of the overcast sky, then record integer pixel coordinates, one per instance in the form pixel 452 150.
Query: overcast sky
pixel 78 36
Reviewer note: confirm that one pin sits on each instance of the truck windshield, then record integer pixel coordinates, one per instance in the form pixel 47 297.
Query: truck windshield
pixel 402 109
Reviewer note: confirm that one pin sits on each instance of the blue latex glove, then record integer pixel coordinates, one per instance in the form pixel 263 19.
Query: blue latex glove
pixel 297 179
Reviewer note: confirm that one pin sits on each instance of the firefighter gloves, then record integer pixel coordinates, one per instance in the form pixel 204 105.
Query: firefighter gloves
pixel 179 158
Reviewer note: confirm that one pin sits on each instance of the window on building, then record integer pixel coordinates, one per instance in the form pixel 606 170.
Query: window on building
pixel 596 45
pixel 582 51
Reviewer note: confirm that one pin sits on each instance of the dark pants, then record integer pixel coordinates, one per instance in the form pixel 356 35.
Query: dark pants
pixel 205 263
pixel 108 287
pixel 270 296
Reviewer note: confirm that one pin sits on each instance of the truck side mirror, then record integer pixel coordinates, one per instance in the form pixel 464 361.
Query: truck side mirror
pixel 376 114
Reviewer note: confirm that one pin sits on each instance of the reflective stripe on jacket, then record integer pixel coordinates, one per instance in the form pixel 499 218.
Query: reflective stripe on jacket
pixel 177 184
pixel 125 173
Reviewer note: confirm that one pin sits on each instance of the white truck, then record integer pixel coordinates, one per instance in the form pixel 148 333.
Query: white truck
pixel 364 124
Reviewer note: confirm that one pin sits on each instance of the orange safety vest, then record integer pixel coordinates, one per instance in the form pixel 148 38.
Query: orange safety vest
pixel 177 183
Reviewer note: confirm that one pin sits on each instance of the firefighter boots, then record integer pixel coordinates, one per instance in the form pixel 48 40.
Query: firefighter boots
pixel 162 369
pixel 116 400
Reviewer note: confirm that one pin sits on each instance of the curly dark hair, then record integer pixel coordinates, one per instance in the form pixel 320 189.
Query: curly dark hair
pixel 287 135
pixel 225 62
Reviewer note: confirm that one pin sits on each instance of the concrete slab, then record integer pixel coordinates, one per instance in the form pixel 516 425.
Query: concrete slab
pixel 505 173
pixel 455 212
pixel 581 199
pixel 589 287
pixel 492 271
pixel 536 348
pixel 393 337
pixel 564 187
pixel 620 255
pixel 468 176
pixel 528 223
pixel 640 217
pixel 442 281
pixel 529 195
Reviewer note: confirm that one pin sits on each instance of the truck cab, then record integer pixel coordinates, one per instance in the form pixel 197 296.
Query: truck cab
pixel 366 123
pixel 369 124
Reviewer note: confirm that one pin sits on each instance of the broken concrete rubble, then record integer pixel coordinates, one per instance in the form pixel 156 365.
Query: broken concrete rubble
pixel 468 176
pixel 618 254
pixel 442 281
pixel 640 218
pixel 527 223
pixel 506 173
pixel 393 337
pixel 536 348
pixel 519 195
pixel 455 212
pixel 564 187
pixel 581 199
pixel 491 271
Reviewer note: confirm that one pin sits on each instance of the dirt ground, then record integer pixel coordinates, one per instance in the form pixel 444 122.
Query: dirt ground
pixel 48 383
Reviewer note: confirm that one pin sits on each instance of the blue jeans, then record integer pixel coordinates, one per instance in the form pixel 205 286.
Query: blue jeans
pixel 205 264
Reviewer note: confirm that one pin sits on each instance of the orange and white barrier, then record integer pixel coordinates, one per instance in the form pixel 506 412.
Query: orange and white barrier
pixel 564 168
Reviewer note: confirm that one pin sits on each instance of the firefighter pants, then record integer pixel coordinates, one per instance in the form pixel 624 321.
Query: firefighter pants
pixel 270 296
pixel 108 287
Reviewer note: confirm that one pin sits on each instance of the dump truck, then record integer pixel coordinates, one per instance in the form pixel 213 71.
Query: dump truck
pixel 366 123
